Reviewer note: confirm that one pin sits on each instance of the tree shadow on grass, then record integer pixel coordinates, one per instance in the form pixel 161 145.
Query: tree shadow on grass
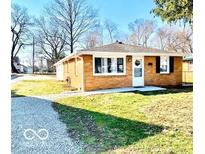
pixel 168 91
pixel 16 76
pixel 102 132
pixel 15 94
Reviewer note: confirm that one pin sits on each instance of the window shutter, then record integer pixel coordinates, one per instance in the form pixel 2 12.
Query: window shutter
pixel 171 64
pixel 158 64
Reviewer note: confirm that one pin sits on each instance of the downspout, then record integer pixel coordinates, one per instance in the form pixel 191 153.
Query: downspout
pixel 81 58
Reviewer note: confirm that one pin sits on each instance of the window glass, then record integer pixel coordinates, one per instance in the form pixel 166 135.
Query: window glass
pixel 164 64
pixel 109 65
pixel 120 65
pixel 138 68
pixel 98 68
pixel 137 72
pixel 114 65
pixel 104 65
pixel 137 62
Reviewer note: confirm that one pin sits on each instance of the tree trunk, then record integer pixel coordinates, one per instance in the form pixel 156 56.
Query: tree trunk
pixel 13 68
pixel 71 48
pixel 71 40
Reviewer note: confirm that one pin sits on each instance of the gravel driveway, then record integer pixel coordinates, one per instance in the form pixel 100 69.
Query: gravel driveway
pixel 35 113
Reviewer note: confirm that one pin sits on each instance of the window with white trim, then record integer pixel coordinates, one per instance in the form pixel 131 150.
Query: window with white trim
pixel 120 65
pixel 108 66
pixel 164 64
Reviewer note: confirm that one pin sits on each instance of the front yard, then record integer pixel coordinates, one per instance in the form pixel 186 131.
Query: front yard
pixel 132 122
pixel 38 87
pixel 153 122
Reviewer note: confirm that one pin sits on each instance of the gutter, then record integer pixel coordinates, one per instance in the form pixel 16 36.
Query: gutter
pixel 68 57
pixel 83 77
pixel 73 55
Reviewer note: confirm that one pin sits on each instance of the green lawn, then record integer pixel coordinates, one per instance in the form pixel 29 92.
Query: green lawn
pixel 153 122
pixel 38 87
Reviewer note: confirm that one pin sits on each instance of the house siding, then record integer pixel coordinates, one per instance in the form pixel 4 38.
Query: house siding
pixel 74 72
pixel 157 79
pixel 92 82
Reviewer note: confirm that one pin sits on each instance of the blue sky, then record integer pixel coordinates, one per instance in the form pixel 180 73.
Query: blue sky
pixel 121 12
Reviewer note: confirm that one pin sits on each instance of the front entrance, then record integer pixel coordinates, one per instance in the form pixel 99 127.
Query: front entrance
pixel 137 71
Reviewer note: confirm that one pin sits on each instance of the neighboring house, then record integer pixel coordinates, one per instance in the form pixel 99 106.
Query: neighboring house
pixel 23 68
pixel 187 69
pixel 16 62
pixel 119 65
pixel 60 71
pixel 29 70
pixel 20 67
pixel 50 67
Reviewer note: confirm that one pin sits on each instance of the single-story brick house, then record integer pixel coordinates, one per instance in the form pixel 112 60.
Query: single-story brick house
pixel 120 65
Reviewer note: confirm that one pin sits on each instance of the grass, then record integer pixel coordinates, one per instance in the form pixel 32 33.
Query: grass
pixel 38 87
pixel 152 122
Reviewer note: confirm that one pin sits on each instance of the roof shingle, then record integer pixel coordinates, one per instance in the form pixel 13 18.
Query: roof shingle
pixel 121 47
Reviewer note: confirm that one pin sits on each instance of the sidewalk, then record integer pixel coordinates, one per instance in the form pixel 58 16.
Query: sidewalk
pixel 98 92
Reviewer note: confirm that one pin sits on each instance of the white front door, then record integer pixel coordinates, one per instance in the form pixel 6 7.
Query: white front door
pixel 137 71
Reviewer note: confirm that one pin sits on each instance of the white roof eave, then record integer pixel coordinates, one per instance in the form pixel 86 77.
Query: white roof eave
pixel 105 53
pixel 67 57
pixel 138 53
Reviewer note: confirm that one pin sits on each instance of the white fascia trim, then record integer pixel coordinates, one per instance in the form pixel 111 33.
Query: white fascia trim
pixel 108 54
pixel 102 53
pixel 68 57
pixel 135 53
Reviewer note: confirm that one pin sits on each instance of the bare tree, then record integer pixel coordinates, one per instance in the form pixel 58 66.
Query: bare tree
pixel 111 28
pixel 142 29
pixel 74 16
pixel 189 39
pixel 171 38
pixel 94 37
pixel 50 39
pixel 149 27
pixel 181 41
pixel 161 38
pixel 133 39
pixel 20 22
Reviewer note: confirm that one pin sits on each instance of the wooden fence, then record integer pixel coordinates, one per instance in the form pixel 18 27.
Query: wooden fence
pixel 187 76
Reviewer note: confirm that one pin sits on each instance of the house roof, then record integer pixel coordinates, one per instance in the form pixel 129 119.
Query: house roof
pixel 121 48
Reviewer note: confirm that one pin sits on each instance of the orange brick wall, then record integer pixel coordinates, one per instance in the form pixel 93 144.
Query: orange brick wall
pixel 105 82
pixel 74 74
pixel 153 78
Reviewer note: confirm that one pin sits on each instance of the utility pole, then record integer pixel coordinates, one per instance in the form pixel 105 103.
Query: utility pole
pixel 33 53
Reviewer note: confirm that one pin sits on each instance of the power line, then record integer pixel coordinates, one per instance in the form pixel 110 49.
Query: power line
pixel 33 53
